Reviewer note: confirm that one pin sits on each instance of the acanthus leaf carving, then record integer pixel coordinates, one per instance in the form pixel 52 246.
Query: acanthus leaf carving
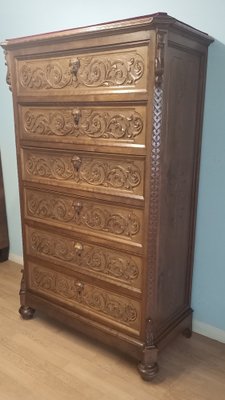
pixel 119 175
pixel 71 289
pixel 96 259
pixel 83 123
pixel 89 71
pixel 92 216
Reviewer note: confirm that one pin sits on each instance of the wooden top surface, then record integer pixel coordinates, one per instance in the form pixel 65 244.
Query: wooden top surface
pixel 159 19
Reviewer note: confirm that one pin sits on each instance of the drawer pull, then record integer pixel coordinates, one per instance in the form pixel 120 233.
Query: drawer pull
pixel 78 248
pixel 76 161
pixel 78 207
pixel 74 66
pixel 79 286
pixel 76 113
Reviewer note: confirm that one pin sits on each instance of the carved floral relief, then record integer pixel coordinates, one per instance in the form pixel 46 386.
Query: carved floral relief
pixel 70 289
pixel 84 170
pixel 115 69
pixel 83 123
pixel 110 263
pixel 83 214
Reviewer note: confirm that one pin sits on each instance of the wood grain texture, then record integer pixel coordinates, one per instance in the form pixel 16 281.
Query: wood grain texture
pixel 108 142
pixel 68 366
pixel 98 125
pixel 89 73
pixel 94 261
pixel 86 171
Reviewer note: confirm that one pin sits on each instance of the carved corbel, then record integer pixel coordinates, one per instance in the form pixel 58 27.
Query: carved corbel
pixel 159 58
pixel 8 75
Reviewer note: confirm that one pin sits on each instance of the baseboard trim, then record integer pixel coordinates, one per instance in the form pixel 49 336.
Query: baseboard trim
pixel 15 258
pixel 209 331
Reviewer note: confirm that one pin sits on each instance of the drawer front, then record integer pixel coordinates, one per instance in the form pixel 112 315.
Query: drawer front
pixel 100 262
pixel 89 125
pixel 79 170
pixel 99 72
pixel 101 219
pixel 85 298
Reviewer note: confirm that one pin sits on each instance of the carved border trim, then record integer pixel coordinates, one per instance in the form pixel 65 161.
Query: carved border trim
pixel 154 205
pixel 155 180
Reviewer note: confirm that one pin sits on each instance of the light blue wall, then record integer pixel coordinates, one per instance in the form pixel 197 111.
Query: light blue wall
pixel 20 18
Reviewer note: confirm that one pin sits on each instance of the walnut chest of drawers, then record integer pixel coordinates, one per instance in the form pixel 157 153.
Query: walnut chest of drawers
pixel 108 125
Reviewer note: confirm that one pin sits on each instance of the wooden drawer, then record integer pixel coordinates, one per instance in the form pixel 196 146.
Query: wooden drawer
pixel 83 73
pixel 88 171
pixel 118 223
pixel 97 303
pixel 99 262
pixel 97 125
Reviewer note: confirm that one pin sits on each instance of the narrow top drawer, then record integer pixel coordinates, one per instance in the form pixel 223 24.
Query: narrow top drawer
pixel 84 73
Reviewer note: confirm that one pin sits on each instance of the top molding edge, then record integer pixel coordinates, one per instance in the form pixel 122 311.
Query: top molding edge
pixel 158 20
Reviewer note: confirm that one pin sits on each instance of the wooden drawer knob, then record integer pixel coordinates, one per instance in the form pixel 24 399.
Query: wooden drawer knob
pixel 78 248
pixel 76 113
pixel 76 161
pixel 79 286
pixel 78 207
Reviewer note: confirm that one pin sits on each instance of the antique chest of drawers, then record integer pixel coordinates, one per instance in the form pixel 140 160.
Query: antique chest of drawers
pixel 108 129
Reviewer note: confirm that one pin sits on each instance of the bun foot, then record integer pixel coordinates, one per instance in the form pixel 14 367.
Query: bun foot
pixel 26 312
pixel 148 372
pixel 4 254
pixel 187 333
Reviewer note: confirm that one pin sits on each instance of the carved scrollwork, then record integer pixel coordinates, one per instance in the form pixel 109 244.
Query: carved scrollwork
pixel 99 300
pixel 50 77
pixel 92 216
pixel 83 170
pixel 92 71
pixel 83 123
pixel 113 264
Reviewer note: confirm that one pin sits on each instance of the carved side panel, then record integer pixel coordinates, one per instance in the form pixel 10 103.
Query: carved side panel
pixel 83 72
pixel 84 171
pixel 84 296
pixel 84 215
pixel 117 124
pixel 101 262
